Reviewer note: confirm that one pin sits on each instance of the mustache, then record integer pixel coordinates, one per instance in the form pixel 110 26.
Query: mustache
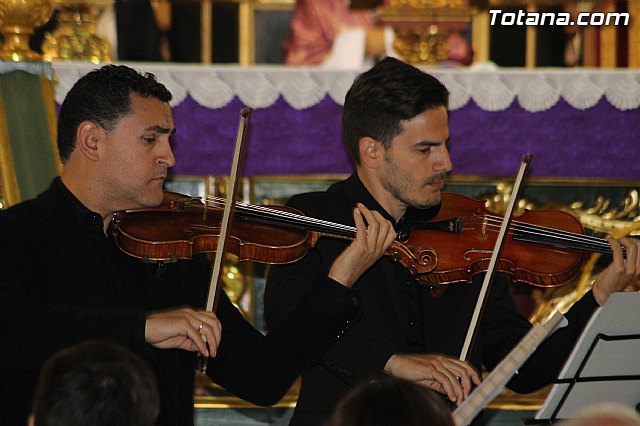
pixel 162 173
pixel 437 178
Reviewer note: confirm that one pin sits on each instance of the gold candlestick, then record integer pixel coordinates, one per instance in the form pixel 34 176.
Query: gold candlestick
pixel 18 20
pixel 422 27
pixel 76 38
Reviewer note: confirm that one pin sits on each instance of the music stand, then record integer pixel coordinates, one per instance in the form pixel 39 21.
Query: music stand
pixel 604 365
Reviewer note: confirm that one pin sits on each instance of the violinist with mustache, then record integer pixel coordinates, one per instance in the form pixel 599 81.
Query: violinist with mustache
pixel 395 127
pixel 63 279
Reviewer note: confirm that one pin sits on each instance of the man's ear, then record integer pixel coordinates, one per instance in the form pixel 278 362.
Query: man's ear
pixel 371 152
pixel 88 137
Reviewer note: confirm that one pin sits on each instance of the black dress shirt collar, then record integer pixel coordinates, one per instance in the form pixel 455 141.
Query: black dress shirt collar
pixel 69 204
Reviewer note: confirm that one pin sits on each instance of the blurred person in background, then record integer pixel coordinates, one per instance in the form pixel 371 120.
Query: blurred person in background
pixel 328 33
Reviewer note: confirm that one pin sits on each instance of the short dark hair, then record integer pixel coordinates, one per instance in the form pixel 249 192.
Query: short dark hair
pixel 96 382
pixel 103 96
pixel 390 401
pixel 381 98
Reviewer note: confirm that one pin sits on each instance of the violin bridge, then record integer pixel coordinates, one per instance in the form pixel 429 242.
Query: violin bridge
pixel 484 227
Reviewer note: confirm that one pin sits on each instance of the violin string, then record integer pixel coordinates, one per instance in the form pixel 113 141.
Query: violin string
pixel 563 238
pixel 571 238
pixel 289 218
pixel 286 218
pixel 493 222
pixel 554 233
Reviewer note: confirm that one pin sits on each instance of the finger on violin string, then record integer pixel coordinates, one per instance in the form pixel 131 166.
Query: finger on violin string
pixel 616 247
pixel 361 227
pixel 386 232
pixel 631 248
pixel 368 216
pixel 377 227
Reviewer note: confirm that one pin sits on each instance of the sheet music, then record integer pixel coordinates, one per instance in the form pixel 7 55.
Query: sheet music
pixel 619 316
pixel 495 381
pixel 607 352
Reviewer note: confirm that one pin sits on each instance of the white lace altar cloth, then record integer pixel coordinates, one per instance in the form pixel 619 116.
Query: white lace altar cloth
pixel 259 87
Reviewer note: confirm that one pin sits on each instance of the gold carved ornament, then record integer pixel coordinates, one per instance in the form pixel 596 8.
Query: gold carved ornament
pixel 18 20
pixel 76 38
pixel 422 27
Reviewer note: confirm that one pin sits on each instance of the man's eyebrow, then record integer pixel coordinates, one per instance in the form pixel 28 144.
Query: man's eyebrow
pixel 161 129
pixel 431 143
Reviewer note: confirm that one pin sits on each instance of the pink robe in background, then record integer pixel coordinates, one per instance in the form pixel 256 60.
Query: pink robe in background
pixel 316 24
pixel 314 27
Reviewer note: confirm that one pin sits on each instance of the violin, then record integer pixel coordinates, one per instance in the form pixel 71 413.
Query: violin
pixel 183 226
pixel 543 248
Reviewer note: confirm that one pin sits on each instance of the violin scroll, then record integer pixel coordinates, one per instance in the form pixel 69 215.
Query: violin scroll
pixel 418 261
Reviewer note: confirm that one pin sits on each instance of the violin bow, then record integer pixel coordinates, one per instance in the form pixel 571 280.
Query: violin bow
pixel 227 217
pixel 488 278
pixel 498 378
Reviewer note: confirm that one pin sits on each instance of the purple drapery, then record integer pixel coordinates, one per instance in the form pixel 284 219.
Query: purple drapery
pixel 600 142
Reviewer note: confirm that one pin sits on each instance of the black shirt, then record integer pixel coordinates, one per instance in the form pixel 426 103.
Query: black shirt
pixel 399 315
pixel 62 281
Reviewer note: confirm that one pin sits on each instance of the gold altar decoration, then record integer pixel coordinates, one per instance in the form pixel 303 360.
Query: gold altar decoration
pixel 76 38
pixel 498 202
pixel 422 27
pixel 18 20
pixel 602 219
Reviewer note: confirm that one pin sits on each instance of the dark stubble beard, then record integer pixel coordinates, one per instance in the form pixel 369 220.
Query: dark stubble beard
pixel 397 183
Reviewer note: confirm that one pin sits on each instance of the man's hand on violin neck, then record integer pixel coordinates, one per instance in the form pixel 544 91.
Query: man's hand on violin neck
pixel 184 328
pixel 441 373
pixel 623 271
pixel 374 235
